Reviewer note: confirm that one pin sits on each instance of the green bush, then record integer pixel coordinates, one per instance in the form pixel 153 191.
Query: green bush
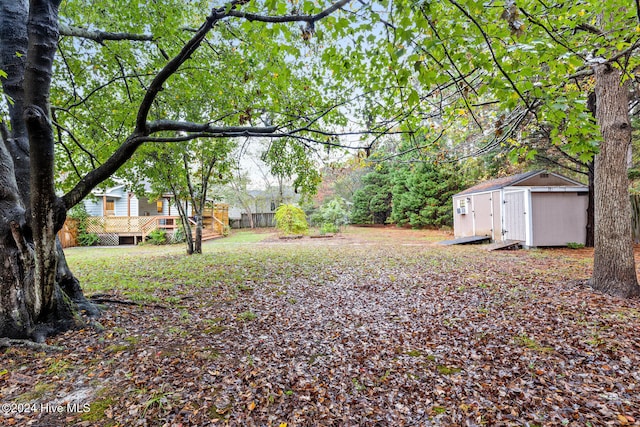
pixel 328 228
pixel 157 237
pixel 179 236
pixel 291 220
pixel 331 216
pixel 87 239
pixel 575 245
pixel 80 215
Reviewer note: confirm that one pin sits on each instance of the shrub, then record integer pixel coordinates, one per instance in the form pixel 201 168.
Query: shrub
pixel 158 237
pixel 574 245
pixel 331 216
pixel 291 220
pixel 328 228
pixel 81 216
pixel 179 236
pixel 87 239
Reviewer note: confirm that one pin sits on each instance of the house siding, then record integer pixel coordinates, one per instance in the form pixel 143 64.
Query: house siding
pixel 559 218
pixel 93 207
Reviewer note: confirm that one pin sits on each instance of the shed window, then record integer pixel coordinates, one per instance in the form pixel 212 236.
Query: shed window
pixel 159 206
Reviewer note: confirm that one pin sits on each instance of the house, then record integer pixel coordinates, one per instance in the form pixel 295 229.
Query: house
pixel 119 216
pixel 538 208
pixel 118 201
pixel 262 204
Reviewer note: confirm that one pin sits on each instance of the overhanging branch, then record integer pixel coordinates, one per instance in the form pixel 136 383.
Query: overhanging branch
pixel 100 36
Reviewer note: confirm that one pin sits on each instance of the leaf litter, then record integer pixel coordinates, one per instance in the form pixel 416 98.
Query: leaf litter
pixel 372 328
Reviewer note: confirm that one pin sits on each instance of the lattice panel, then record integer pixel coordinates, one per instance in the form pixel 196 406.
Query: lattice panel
pixel 109 239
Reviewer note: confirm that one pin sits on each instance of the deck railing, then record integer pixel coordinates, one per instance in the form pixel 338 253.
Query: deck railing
pixel 130 224
pixel 215 219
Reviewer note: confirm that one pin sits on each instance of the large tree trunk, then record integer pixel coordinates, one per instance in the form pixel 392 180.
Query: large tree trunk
pixel 614 267
pixel 32 302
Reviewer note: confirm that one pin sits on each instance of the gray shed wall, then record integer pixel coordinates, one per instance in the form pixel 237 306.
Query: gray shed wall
pixel 559 218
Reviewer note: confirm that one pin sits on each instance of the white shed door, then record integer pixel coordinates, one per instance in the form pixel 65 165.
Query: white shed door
pixel 514 225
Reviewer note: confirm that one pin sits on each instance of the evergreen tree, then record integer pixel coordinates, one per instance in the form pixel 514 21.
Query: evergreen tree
pixel 422 194
pixel 372 203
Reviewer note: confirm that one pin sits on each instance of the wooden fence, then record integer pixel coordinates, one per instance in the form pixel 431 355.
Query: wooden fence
pixel 68 235
pixel 260 220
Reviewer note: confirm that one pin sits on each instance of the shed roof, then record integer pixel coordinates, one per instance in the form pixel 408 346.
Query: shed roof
pixel 512 180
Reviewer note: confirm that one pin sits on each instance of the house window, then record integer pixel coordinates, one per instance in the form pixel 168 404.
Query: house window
pixel 159 206
pixel 110 207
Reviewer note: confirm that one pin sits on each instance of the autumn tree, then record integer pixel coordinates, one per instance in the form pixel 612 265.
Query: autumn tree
pixel 137 83
pixel 538 62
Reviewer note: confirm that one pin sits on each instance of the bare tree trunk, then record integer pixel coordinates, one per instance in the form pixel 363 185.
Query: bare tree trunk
pixel 185 223
pixel 614 266
pixel 197 246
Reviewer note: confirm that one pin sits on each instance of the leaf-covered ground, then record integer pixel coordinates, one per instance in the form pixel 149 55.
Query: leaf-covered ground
pixel 377 327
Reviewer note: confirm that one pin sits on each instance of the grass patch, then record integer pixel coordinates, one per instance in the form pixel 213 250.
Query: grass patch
pixel 38 392
pixel 247 315
pixel 103 403
pixel 447 370
pixel 524 340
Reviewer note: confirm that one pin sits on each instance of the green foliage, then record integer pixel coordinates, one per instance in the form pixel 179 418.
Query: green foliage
pixel 575 245
pixel 87 239
pixel 179 235
pixel 289 159
pixel 422 194
pixel 372 203
pixel 291 220
pixel 157 237
pixel 80 215
pixel 331 216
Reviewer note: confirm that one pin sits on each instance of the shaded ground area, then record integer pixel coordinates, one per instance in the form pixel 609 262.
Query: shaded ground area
pixel 374 327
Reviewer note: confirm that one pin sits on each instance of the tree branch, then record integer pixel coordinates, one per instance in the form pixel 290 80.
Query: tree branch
pixel 100 36
pixel 175 125
pixel 310 19
pixel 143 129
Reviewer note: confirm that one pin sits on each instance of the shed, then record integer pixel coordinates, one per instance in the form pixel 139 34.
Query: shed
pixel 538 208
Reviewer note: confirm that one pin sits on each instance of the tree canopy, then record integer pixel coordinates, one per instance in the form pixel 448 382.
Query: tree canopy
pixel 85 87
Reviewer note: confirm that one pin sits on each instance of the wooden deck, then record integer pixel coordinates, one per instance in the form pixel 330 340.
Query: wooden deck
pixel 215 221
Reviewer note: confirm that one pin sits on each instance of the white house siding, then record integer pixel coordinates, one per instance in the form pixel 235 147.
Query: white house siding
pixel 120 205
pixel 559 218
pixel 93 207
pixel 134 203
